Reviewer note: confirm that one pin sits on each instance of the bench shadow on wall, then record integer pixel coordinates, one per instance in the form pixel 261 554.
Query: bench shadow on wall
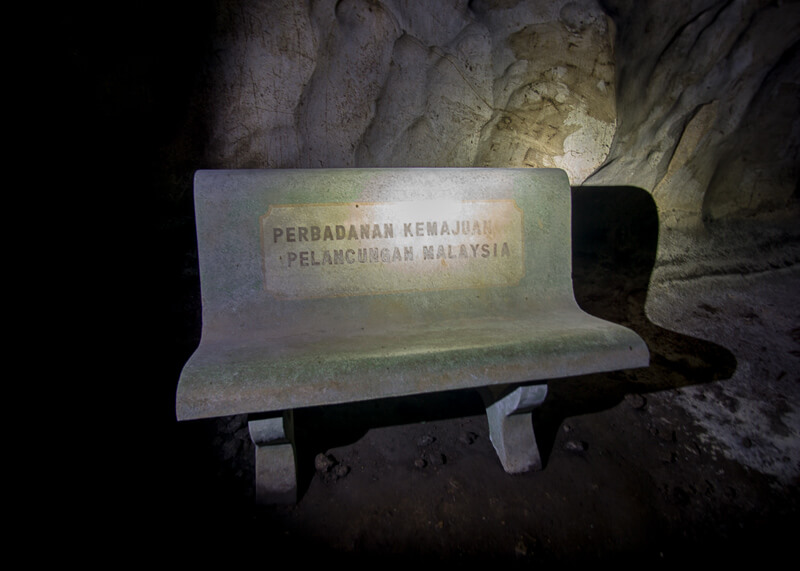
pixel 615 235
pixel 614 242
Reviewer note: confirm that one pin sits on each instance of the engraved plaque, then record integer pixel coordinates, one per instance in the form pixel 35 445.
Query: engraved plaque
pixel 343 249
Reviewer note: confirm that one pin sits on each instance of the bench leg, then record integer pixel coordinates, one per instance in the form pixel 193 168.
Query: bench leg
pixel 511 425
pixel 276 472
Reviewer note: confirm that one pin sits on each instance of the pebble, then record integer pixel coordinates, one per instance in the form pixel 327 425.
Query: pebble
pixel 340 470
pixel 330 469
pixel 576 446
pixel 636 401
pixel 324 462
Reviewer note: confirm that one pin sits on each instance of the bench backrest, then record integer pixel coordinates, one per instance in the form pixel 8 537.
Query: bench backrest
pixel 294 251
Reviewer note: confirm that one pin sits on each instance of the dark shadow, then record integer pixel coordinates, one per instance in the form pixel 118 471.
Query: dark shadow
pixel 347 423
pixel 614 242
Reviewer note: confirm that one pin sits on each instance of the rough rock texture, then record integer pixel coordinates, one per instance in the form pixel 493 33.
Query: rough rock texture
pixel 397 83
pixel 708 108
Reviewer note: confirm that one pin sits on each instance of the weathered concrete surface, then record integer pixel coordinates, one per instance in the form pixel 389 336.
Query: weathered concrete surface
pixel 509 417
pixel 275 469
pixel 314 339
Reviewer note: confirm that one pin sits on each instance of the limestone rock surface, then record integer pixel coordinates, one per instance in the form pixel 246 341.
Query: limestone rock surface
pixel 395 83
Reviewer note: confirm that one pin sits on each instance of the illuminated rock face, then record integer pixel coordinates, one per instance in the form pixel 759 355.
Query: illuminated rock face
pixel 360 83
pixel 709 116
pixel 695 102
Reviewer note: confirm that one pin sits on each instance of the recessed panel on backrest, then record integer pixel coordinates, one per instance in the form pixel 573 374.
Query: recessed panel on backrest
pixel 284 252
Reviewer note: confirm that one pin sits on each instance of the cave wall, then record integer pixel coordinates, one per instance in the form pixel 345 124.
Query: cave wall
pixel 397 83
pixel 708 118
pixel 694 102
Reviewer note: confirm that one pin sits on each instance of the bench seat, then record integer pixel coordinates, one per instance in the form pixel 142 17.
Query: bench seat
pixel 274 372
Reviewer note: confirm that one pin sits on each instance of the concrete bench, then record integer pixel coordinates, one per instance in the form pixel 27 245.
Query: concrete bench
pixel 331 286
